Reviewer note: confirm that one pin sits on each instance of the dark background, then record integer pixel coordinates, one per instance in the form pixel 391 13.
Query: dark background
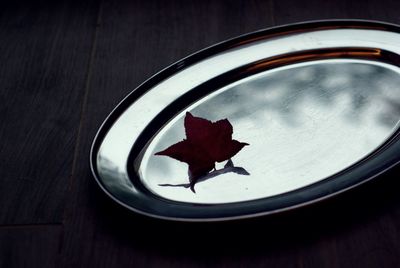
pixel 65 65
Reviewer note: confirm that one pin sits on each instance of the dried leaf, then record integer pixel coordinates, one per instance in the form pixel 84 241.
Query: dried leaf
pixel 206 143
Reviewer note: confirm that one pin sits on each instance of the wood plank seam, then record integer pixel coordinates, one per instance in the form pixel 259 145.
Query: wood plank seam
pixel 84 103
pixel 39 225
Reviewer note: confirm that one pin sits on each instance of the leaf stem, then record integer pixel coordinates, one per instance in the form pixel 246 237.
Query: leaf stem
pixel 227 169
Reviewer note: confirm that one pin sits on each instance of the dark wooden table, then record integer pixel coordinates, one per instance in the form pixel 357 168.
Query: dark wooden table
pixel 65 65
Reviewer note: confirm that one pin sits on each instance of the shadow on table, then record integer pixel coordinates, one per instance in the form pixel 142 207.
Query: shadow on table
pixel 330 219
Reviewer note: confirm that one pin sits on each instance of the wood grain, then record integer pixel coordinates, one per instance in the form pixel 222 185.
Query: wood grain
pixel 291 11
pixel 30 246
pixel 135 40
pixel 66 65
pixel 45 50
pixel 142 38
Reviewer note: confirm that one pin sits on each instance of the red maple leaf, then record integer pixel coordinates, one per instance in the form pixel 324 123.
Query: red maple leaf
pixel 206 143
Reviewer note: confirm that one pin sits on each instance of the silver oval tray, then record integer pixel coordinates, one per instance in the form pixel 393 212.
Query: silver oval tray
pixel 262 123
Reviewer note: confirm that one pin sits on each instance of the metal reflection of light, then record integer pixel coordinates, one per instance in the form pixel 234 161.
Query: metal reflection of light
pixel 291 58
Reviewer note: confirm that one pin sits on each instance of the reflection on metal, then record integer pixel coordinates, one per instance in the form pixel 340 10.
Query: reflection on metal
pixel 313 100
pixel 304 122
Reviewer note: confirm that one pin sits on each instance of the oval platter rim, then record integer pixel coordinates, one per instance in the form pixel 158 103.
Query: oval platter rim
pixel 193 58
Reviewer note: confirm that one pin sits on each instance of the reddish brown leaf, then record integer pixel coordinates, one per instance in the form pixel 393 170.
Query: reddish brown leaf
pixel 206 143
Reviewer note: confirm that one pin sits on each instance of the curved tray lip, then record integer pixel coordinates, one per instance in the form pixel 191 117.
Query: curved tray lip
pixel 210 50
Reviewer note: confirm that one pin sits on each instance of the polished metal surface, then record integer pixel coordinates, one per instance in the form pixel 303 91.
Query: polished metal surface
pixel 303 122
pixel 312 100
